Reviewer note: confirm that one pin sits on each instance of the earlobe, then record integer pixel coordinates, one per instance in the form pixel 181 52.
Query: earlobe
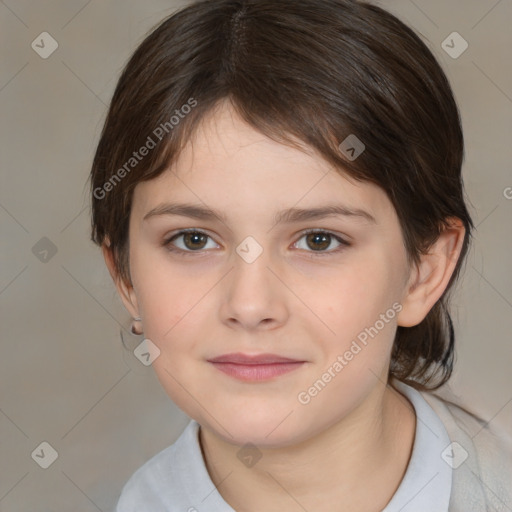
pixel 429 279
pixel 124 289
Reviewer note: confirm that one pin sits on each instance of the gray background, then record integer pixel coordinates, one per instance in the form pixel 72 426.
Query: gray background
pixel 64 377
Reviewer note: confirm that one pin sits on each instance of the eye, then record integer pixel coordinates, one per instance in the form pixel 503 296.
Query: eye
pixel 318 241
pixel 193 241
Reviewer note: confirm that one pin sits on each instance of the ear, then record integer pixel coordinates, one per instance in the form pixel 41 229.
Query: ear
pixel 125 290
pixel 429 279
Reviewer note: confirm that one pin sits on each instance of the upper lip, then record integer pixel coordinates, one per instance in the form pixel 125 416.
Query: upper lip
pixel 240 358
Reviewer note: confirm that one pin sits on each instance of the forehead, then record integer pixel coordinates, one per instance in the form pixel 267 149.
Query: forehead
pixel 228 165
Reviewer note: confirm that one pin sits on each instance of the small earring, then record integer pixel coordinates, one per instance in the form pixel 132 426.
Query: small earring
pixel 130 336
pixel 133 328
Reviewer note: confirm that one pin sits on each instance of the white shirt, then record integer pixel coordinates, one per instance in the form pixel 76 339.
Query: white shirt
pixel 427 482
pixel 176 479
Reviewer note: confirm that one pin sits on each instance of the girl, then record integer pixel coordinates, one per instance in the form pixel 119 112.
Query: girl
pixel 277 192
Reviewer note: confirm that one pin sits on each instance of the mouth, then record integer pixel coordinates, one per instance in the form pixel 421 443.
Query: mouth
pixel 252 368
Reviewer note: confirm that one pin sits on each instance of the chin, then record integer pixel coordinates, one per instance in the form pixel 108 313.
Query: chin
pixel 270 430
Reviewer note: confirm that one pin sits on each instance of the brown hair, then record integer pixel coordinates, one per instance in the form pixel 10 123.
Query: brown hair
pixel 314 71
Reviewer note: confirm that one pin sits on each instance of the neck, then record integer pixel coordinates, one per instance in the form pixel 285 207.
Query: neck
pixel 332 471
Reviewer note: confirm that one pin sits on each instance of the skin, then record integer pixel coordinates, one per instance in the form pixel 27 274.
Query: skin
pixel 294 301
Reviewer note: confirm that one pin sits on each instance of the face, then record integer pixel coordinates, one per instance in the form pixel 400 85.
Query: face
pixel 321 290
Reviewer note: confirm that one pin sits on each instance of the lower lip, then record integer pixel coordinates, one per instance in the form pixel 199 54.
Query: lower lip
pixel 257 372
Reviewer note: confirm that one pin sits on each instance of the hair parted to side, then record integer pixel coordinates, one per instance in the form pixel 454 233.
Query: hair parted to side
pixel 299 71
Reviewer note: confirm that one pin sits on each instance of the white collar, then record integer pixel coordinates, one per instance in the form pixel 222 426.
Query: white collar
pixel 427 482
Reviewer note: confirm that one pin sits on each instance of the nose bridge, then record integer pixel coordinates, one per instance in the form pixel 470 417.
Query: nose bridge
pixel 251 263
pixel 254 293
pixel 250 250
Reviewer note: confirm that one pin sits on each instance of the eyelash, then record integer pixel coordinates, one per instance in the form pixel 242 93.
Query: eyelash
pixel 343 243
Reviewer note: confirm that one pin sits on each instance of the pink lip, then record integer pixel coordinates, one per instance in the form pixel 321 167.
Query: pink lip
pixel 240 358
pixel 255 368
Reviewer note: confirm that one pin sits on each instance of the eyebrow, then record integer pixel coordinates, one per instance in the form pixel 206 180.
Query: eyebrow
pixel 289 216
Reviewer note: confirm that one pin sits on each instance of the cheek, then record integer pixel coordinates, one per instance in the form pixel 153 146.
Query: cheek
pixel 358 307
pixel 357 295
pixel 165 297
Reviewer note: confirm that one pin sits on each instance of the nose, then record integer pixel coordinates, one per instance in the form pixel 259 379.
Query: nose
pixel 254 296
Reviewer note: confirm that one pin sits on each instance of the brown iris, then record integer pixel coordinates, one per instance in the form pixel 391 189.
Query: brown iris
pixel 319 238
